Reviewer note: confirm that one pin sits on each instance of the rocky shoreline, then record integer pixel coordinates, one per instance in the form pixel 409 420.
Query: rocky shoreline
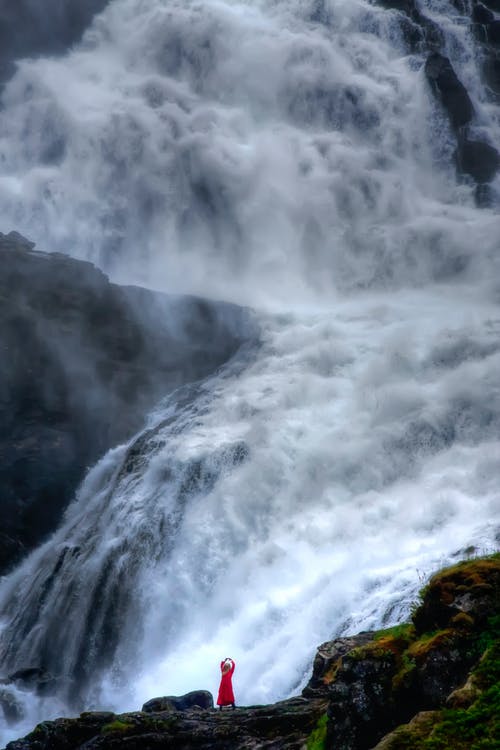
pixel 430 684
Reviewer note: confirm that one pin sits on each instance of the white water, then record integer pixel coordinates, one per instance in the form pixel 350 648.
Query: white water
pixel 296 162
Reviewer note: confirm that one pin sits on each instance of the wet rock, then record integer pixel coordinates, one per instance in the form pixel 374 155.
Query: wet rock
pixel 491 71
pixel 195 699
pixel 477 159
pixel 449 90
pixel 375 682
pixel 28 29
pixel 284 725
pixel 493 33
pixel 417 729
pixel 481 14
pixel 82 361
pixel 10 707
pixel 469 589
pixel 35 679
pixel 328 659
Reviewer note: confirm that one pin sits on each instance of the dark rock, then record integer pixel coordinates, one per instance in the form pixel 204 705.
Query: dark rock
pixel 493 33
pixel 375 682
pixel 361 709
pixel 449 90
pixel 281 726
pixel 328 659
pixel 491 71
pixel 10 707
pixel 195 699
pixel 28 29
pixel 481 14
pixel 477 159
pixel 82 361
pixel 417 729
pixel 35 679
pixel 470 588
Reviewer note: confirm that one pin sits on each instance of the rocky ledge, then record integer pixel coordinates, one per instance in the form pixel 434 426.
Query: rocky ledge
pixel 82 361
pixel 430 684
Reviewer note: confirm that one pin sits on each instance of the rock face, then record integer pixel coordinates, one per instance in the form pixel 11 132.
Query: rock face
pixel 388 688
pixel 474 158
pixel 451 92
pixel 409 673
pixel 28 28
pixel 81 363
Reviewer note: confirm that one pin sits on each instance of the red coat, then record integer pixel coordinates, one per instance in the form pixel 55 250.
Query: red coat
pixel 226 695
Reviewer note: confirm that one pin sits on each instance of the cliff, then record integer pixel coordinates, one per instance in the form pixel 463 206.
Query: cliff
pixel 430 684
pixel 82 361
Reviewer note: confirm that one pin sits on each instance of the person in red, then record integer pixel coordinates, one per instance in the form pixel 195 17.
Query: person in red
pixel 226 695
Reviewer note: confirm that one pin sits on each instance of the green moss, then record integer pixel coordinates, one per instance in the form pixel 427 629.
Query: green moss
pixel 474 728
pixel 405 631
pixel 118 725
pixel 404 675
pixel 420 649
pixel 317 738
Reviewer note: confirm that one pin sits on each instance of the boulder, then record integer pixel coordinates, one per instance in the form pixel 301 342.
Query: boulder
pixel 29 29
pixel 481 14
pixel 196 699
pixel 449 89
pixel 477 159
pixel 493 33
pixel 10 706
pixel 34 679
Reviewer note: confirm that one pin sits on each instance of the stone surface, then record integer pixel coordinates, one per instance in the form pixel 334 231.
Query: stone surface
pixel 28 28
pixel 449 89
pixel 82 361
pixel 387 688
pixel 281 726
pixel 478 159
pixel 195 699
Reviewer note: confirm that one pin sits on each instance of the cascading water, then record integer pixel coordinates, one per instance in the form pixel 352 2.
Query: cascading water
pixel 289 155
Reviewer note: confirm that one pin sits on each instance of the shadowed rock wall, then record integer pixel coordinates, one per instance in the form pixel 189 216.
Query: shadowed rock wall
pixel 81 363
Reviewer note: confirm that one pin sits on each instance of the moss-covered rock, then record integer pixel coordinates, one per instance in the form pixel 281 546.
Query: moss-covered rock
pixel 410 674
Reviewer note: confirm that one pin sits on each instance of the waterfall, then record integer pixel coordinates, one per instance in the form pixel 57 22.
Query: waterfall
pixel 288 155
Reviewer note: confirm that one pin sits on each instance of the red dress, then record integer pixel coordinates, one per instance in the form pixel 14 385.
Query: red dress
pixel 226 695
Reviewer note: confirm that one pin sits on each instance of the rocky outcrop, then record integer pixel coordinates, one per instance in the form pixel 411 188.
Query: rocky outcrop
pixel 474 157
pixel 450 91
pixel 408 674
pixel 82 361
pixel 282 725
pixel 437 677
pixel 195 699
pixel 28 28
